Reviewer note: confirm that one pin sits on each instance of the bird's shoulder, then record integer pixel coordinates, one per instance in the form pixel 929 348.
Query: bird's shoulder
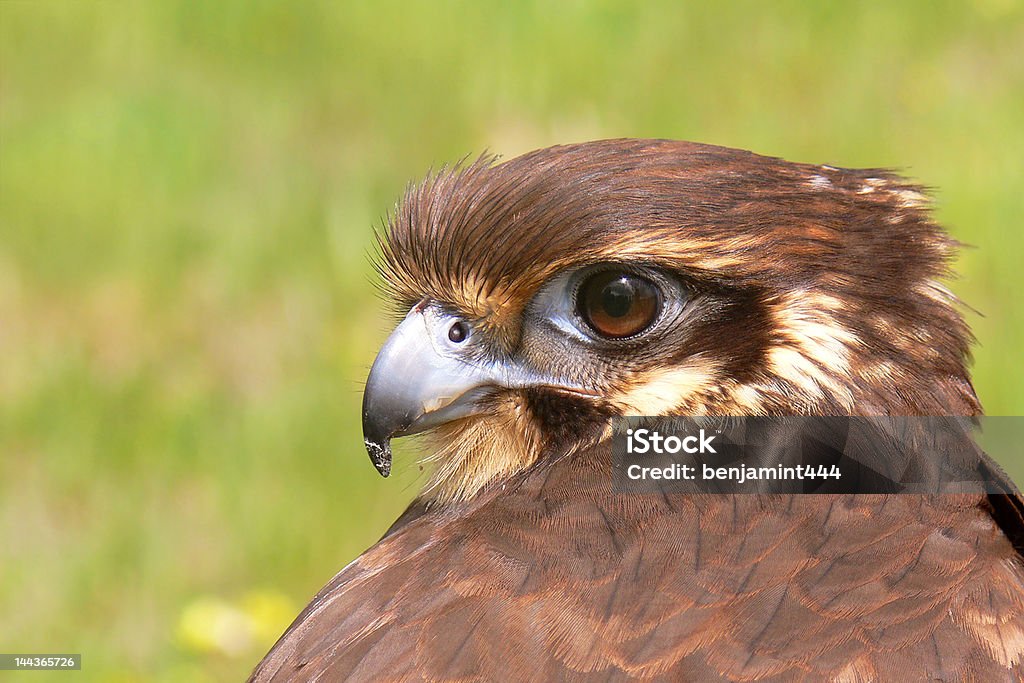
pixel 554 577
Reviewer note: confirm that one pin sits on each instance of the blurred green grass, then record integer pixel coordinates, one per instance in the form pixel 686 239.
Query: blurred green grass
pixel 186 197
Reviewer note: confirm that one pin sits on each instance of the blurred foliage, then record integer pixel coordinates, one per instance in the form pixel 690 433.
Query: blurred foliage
pixel 186 196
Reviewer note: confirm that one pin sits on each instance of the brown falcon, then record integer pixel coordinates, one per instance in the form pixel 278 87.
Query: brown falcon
pixel 546 295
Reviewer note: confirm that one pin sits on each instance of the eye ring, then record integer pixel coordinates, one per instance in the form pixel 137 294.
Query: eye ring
pixel 618 304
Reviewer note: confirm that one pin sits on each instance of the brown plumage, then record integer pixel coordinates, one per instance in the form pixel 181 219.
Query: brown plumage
pixel 783 289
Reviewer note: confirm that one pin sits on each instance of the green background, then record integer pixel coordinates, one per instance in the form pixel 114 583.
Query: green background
pixel 187 192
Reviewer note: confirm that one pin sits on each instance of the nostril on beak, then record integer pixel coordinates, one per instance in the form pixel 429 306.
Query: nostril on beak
pixel 458 332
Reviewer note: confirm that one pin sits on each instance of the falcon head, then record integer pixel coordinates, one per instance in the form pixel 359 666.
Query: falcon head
pixel 547 294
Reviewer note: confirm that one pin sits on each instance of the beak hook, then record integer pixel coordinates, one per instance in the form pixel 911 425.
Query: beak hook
pixel 380 455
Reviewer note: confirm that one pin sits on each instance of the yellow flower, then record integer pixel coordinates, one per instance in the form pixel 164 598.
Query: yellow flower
pixel 212 624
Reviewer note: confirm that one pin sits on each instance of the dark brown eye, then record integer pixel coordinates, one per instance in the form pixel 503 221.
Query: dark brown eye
pixel 618 304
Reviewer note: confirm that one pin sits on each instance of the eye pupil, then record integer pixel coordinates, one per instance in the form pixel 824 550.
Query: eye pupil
pixel 618 304
pixel 617 298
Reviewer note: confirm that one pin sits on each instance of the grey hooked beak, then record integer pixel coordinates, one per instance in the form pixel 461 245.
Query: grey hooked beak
pixel 421 379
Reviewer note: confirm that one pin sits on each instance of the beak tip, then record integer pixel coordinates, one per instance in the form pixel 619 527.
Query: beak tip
pixel 380 455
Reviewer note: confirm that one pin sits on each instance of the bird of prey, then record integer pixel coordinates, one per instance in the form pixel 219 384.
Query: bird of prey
pixel 544 296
